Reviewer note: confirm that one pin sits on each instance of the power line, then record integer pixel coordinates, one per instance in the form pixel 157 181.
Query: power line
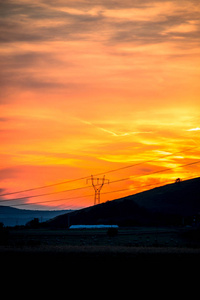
pixel 148 161
pixel 106 172
pixel 155 172
pixel 55 200
pixel 44 186
pixel 114 181
pixel 104 193
pixel 45 194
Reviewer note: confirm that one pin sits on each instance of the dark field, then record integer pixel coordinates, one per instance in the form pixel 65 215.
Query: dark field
pixel 125 237
pixel 136 246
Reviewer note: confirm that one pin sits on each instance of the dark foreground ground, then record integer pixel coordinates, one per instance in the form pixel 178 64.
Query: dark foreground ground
pixel 138 260
pixel 131 247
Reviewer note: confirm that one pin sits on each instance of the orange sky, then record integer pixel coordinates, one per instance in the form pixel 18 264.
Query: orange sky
pixel 92 86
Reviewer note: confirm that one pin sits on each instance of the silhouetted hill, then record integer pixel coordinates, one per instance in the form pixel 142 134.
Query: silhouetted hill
pixel 171 204
pixel 178 198
pixel 11 216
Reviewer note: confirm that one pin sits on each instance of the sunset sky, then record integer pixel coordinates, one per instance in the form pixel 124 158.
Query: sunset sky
pixel 92 86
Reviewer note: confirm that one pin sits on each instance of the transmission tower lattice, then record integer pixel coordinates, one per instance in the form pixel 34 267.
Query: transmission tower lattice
pixel 97 184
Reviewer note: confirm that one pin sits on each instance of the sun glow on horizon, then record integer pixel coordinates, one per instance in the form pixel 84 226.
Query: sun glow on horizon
pixel 87 88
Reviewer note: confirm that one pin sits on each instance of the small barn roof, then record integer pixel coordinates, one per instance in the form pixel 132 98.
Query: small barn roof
pixel 92 226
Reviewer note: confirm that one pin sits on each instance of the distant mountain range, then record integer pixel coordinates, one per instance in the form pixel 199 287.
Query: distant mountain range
pixel 11 216
pixel 172 204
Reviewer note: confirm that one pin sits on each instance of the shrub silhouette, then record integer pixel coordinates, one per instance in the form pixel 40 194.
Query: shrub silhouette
pixel 3 234
pixel 33 223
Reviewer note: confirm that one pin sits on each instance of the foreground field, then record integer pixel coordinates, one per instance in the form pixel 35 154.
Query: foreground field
pixel 175 237
pixel 130 245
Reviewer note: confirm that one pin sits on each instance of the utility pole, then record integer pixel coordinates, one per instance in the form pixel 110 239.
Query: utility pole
pixel 97 184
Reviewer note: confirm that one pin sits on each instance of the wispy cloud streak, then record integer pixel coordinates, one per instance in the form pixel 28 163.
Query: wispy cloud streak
pixel 88 86
pixel 194 129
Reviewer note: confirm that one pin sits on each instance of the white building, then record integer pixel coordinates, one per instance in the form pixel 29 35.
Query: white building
pixel 93 226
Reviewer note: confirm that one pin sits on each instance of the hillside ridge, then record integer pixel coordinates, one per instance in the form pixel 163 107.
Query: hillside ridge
pixel 11 216
pixel 171 204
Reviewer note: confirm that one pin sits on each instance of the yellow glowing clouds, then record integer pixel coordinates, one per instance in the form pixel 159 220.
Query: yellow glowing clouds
pixel 90 87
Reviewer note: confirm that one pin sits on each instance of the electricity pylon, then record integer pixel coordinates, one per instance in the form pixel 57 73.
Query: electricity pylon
pixel 97 184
